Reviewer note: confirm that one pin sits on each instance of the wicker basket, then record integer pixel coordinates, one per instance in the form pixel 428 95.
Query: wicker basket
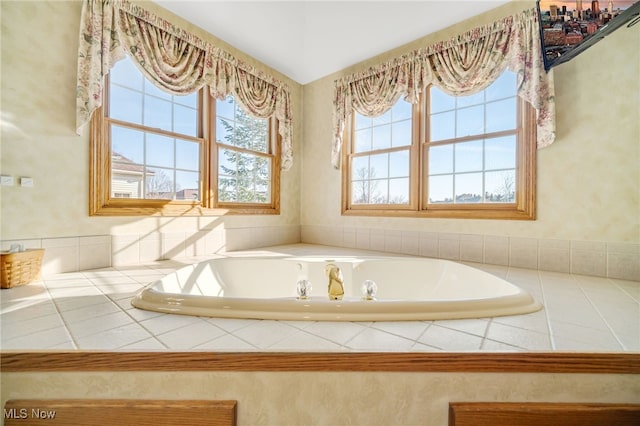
pixel 20 268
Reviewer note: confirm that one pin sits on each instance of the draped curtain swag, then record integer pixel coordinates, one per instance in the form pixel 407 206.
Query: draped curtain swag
pixel 460 66
pixel 175 60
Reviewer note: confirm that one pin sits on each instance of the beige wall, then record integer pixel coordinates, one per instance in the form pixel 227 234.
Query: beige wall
pixel 588 180
pixel 39 48
pixel 329 398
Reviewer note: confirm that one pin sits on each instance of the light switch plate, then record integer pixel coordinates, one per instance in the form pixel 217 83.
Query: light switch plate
pixel 26 181
pixel 6 180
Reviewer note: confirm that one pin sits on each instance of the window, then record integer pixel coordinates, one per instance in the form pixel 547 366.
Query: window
pixel 245 156
pixel 154 153
pixel 449 156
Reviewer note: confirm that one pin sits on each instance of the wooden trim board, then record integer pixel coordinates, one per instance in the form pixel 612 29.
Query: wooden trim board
pixel 478 362
pixel 542 414
pixel 85 412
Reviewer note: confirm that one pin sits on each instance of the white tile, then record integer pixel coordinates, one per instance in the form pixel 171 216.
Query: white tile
pixel 410 243
pixel 195 244
pixel 631 288
pixel 228 342
pixel 489 345
pixel 566 334
pixel 94 240
pixel 496 250
pixel 407 329
pixel 429 244
pixel 138 315
pixel 349 237
pixel 588 262
pixel 190 335
pixel 120 291
pixel 619 247
pixel 523 252
pixel 363 238
pixel 113 338
pixel 623 265
pixel 17 312
pixel 449 249
pixel 588 245
pixel 125 250
pixel 519 337
pixel 99 324
pixel 25 326
pixel 40 340
pixel 264 334
pixel 421 347
pixel 94 256
pixel 302 341
pixel 150 247
pixel 58 259
pixel 477 327
pixel 67 303
pixel 49 243
pixel 375 340
pixel 450 340
pixel 376 239
pixel 630 342
pixel 338 332
pixel 92 311
pixel 214 241
pixel 536 321
pixel 167 322
pixel 33 291
pixel 231 325
pixel 151 344
pixel 28 244
pixel 173 245
pixel 392 241
pixel 471 248
pixel 554 255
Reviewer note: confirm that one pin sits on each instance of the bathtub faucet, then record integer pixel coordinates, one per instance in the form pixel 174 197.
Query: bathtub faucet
pixel 336 281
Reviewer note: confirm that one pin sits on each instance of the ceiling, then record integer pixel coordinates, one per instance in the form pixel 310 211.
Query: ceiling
pixel 307 40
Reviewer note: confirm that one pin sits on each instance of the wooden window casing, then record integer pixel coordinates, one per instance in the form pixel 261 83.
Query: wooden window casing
pixel 523 208
pixel 101 202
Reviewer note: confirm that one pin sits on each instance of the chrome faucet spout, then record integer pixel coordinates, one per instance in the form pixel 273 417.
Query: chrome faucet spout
pixel 336 282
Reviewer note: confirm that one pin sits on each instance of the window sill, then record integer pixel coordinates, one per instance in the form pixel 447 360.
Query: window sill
pixel 178 209
pixel 471 212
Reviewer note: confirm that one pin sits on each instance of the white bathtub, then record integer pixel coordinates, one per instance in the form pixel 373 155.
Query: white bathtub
pixel 265 288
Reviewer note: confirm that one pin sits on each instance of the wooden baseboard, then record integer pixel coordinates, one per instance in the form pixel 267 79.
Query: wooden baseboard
pixel 542 414
pixel 86 412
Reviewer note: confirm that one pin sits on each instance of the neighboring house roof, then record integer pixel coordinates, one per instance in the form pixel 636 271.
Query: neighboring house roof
pixel 121 164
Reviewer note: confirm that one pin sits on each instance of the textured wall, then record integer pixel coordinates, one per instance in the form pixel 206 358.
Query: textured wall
pixel 38 65
pixel 588 181
pixel 330 398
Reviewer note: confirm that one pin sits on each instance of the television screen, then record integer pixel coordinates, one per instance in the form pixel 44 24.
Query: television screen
pixel 567 28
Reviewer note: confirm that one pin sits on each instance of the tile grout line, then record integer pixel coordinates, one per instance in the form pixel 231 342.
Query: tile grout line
pixel 135 321
pixel 602 317
pixel 547 317
pixel 64 322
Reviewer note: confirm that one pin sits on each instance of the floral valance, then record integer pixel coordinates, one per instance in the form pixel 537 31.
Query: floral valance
pixel 461 66
pixel 175 60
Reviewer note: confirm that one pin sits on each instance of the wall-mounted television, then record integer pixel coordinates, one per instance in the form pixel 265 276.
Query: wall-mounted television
pixel 568 28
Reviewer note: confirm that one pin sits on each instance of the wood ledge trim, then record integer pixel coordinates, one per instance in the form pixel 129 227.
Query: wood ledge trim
pixel 472 362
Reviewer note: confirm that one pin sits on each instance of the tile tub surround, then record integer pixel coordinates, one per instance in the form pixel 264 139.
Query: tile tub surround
pixel 91 310
pixel 596 258
pixel 73 254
